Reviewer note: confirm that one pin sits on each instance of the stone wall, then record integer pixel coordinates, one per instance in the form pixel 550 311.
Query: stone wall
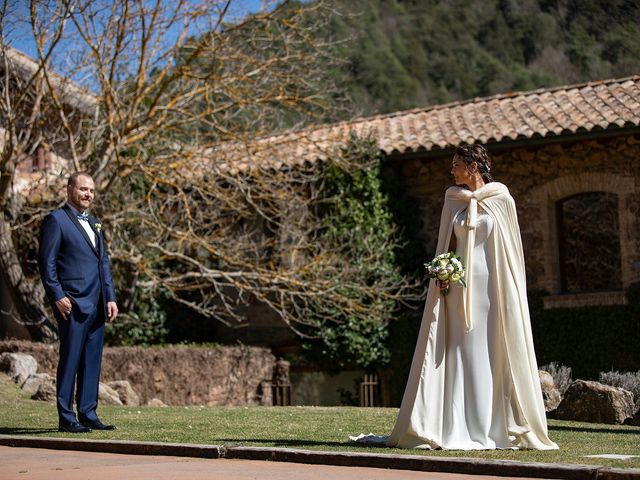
pixel 175 375
pixel 538 176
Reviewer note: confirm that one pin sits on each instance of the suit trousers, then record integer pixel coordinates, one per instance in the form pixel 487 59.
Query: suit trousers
pixel 81 339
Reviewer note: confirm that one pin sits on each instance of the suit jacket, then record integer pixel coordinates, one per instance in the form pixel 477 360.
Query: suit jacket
pixel 69 263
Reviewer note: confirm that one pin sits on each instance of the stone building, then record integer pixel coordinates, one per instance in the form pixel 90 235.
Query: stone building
pixel 570 158
pixel 568 154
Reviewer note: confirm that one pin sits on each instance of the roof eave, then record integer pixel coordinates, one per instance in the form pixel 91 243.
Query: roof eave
pixel 509 144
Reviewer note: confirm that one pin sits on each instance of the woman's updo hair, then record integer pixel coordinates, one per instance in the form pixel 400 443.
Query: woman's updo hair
pixel 476 153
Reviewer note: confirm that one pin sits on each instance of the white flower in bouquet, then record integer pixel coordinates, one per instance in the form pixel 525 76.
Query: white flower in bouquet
pixel 446 268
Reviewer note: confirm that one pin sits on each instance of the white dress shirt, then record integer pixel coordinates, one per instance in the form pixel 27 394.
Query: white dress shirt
pixel 89 230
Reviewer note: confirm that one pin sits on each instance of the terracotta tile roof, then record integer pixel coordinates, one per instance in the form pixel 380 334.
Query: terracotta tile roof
pixel 543 113
pixel 72 93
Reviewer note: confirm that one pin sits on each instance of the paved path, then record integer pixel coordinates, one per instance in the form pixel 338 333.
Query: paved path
pixel 41 464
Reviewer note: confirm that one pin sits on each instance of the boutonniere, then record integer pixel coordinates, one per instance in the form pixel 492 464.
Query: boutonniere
pixel 98 227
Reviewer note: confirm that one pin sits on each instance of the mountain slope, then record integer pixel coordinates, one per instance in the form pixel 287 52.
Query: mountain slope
pixel 401 54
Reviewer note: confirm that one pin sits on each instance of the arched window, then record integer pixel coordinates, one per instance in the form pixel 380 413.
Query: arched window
pixel 589 243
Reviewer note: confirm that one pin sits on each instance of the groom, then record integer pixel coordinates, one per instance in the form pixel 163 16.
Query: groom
pixel 74 268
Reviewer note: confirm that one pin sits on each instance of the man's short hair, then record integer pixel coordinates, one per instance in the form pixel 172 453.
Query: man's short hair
pixel 74 176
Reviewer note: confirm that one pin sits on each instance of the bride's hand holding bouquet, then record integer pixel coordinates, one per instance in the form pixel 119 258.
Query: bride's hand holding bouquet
pixel 446 269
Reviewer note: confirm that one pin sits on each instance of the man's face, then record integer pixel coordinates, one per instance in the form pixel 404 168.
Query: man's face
pixel 80 195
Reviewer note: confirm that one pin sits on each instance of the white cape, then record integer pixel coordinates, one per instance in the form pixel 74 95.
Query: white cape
pixel 420 420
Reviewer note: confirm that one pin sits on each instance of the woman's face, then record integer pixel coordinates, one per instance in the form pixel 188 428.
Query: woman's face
pixel 462 174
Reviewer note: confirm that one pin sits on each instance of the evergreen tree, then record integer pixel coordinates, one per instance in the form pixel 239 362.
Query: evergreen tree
pixel 399 54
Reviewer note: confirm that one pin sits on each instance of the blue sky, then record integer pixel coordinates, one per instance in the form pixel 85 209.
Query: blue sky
pixel 21 39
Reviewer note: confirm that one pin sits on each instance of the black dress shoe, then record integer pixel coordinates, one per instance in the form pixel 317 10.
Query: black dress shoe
pixel 74 427
pixel 96 425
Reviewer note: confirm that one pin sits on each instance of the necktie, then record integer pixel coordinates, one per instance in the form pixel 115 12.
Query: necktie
pixel 83 216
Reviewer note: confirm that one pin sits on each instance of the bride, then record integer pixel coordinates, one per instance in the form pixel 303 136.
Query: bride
pixel 473 383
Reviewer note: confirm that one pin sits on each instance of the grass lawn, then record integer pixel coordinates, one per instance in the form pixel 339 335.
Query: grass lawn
pixel 317 428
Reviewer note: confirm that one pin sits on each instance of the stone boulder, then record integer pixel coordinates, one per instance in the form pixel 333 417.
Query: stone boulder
pixel 125 392
pixel 18 366
pixel 156 402
pixel 46 392
pixel 550 392
pixel 588 401
pixel 635 420
pixel 108 396
pixel 32 384
pixel 221 375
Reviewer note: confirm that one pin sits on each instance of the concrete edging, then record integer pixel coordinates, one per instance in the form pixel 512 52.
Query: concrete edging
pixel 465 465
pixel 116 446
pixel 470 466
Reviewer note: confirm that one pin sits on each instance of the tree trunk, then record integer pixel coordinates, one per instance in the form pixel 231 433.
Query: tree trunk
pixel 26 295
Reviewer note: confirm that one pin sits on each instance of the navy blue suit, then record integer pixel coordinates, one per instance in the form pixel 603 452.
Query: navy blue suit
pixel 70 266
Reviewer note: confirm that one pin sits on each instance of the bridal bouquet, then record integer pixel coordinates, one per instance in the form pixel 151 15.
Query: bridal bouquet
pixel 446 268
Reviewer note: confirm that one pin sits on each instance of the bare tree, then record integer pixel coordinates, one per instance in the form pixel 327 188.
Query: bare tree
pixel 189 203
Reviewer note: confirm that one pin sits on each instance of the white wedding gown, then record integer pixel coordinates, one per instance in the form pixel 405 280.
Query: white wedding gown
pixel 476 379
pixel 473 383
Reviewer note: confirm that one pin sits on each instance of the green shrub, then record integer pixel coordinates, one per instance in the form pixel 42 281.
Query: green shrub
pixel 403 335
pixel 562 375
pixel 144 325
pixel 628 380
pixel 359 226
pixel 590 340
